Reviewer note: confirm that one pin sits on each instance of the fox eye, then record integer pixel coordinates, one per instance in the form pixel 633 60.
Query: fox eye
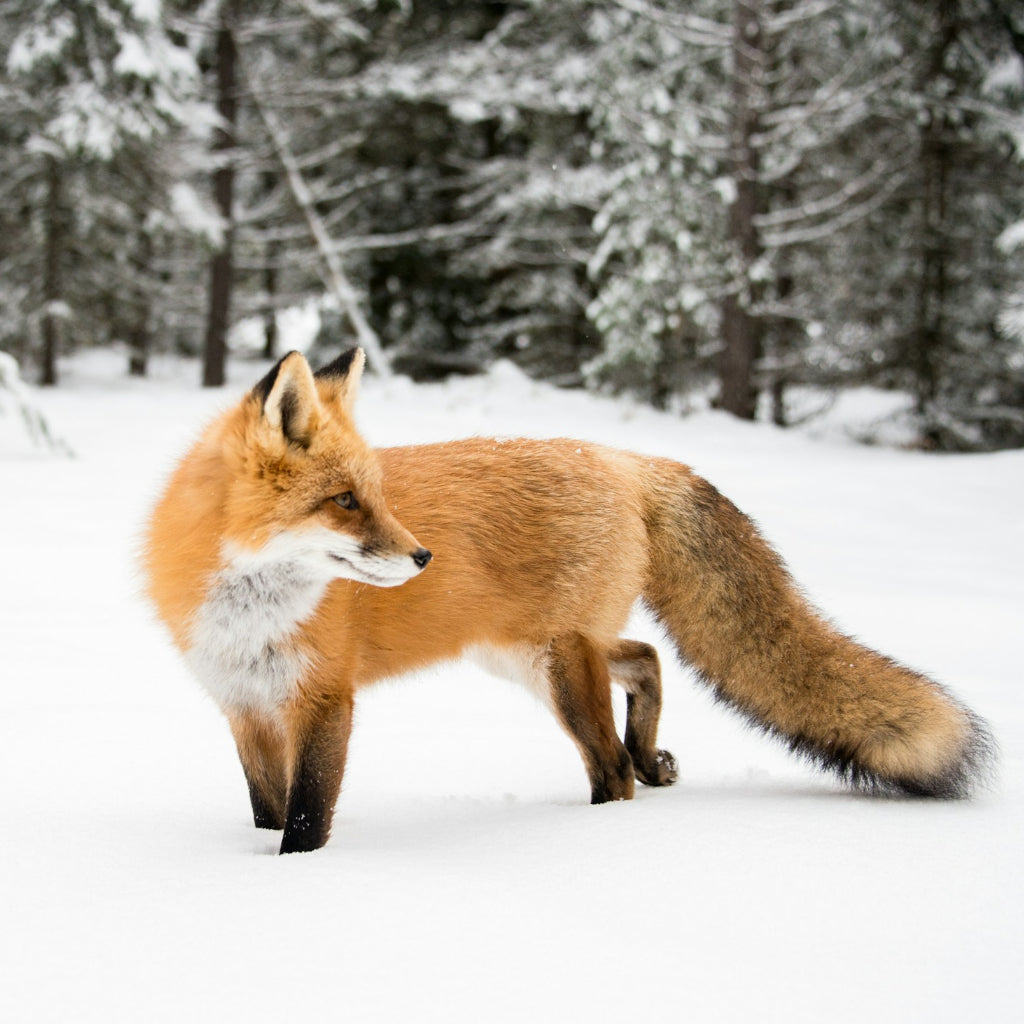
pixel 346 500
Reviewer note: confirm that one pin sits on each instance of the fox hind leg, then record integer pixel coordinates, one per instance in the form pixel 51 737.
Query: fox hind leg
pixel 262 749
pixel 580 693
pixel 635 667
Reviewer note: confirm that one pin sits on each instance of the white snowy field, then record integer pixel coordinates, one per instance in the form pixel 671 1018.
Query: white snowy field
pixel 467 878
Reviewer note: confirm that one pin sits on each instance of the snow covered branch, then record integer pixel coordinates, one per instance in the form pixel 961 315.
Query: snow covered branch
pixel 14 396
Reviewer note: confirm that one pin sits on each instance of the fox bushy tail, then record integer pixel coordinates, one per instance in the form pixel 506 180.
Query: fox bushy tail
pixel 738 618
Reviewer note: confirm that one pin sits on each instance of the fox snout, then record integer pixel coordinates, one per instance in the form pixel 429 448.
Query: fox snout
pixel 421 556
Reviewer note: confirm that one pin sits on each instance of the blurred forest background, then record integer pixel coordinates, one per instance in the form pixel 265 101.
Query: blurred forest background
pixel 720 201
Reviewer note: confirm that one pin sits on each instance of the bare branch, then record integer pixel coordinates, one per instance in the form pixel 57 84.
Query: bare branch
pixel 687 27
pixel 816 232
pixel 838 199
pixel 334 274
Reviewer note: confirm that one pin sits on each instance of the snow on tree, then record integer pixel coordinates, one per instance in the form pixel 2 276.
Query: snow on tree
pixel 926 280
pixel 92 92
pixel 727 199
pixel 280 168
pixel 808 193
pixel 737 127
pixel 476 118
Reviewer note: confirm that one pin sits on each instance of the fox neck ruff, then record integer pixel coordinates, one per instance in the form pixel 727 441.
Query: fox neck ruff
pixel 244 648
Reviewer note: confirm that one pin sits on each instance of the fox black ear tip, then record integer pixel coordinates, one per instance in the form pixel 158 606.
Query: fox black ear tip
pixel 266 384
pixel 342 366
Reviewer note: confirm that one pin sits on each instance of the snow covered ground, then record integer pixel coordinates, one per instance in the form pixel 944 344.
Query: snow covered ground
pixel 467 878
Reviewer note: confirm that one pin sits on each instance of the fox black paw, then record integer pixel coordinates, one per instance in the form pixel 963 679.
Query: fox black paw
pixel 659 771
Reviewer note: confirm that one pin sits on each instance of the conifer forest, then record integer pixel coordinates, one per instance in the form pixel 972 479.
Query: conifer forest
pixel 727 202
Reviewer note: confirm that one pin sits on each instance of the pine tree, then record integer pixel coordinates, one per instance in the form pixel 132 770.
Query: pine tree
pixel 481 233
pixel 446 176
pixel 739 131
pixel 93 90
pixel 946 281
pixel 222 269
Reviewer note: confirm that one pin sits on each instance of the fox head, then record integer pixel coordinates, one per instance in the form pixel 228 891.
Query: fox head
pixel 305 488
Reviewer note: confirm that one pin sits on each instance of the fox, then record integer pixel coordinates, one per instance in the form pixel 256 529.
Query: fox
pixel 289 561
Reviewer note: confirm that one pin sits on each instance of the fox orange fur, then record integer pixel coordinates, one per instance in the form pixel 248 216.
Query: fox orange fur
pixel 289 562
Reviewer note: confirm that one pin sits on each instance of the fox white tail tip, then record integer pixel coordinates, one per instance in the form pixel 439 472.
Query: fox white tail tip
pixel 971 769
pixel 920 767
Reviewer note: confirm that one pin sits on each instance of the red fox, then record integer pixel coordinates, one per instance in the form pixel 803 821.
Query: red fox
pixel 288 560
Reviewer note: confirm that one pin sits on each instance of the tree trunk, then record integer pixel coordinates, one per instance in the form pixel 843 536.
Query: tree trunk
pixel 215 348
pixel 139 330
pixel 138 350
pixel 52 318
pixel 270 330
pixel 928 337
pixel 741 330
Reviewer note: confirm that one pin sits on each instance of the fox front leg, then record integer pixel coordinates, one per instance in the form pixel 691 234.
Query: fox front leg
pixel 321 745
pixel 262 750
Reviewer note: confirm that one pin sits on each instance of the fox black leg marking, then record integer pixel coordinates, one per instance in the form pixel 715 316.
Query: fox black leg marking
pixel 316 781
pixel 262 751
pixel 635 666
pixel 580 689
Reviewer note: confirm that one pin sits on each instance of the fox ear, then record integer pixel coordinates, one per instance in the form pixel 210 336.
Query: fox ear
pixel 289 400
pixel 344 375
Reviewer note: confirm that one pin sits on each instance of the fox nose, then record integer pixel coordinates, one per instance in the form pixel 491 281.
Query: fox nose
pixel 421 556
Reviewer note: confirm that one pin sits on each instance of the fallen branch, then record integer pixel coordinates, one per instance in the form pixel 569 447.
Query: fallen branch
pixel 36 427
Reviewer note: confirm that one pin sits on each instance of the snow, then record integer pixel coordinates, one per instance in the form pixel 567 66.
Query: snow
pixel 134 58
pixel 467 110
pixel 467 878
pixel 299 324
pixel 194 214
pixel 40 43
pixel 1006 75
pixel 148 11
pixel 1011 238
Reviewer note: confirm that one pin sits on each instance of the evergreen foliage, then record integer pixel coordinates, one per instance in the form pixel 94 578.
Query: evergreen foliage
pixel 92 94
pixel 727 201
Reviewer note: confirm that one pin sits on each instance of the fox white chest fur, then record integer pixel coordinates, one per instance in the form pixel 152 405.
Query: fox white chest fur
pixel 244 647
pixel 243 637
